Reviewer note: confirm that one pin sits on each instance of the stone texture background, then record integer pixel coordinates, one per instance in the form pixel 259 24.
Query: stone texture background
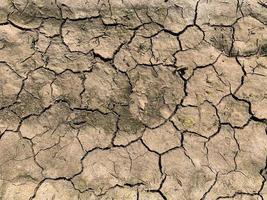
pixel 133 100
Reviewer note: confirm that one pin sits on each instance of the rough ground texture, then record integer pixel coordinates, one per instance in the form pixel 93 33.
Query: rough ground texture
pixel 133 100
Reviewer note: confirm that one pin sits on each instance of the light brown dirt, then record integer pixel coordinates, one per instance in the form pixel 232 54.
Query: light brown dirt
pixel 133 100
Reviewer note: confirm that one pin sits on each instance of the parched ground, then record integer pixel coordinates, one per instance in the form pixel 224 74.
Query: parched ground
pixel 133 99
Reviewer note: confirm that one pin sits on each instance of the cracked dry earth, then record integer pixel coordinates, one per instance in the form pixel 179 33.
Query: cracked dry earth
pixel 133 100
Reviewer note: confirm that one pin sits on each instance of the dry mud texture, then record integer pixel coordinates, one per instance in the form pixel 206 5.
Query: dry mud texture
pixel 133 100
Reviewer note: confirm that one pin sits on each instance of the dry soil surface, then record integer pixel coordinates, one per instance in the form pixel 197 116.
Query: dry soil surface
pixel 133 99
